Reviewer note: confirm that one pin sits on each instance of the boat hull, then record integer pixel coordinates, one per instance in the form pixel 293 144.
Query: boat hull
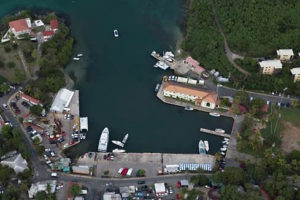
pixel 103 141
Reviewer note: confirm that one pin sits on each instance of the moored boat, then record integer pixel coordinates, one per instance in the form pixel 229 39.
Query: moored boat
pixel 161 65
pixel 219 130
pixel 118 151
pixel 223 149
pixel 118 143
pixel 157 87
pixel 201 147
pixel 206 145
pixel 76 58
pixel 116 33
pixel 214 114
pixel 188 108
pixel 79 55
pixel 103 141
pixel 125 139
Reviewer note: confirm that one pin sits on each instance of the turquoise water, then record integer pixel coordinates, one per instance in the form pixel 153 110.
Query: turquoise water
pixel 116 77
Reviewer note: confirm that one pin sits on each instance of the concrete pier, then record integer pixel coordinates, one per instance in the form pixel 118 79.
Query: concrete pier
pixel 214 132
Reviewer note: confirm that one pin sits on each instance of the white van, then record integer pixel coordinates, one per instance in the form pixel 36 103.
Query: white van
pixel 129 172
pixel 120 170
pixel 53 174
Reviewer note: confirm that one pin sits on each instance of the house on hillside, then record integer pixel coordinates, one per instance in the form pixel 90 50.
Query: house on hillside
pixel 47 35
pixel 285 54
pixel 20 27
pixel 270 67
pixel 15 161
pixel 54 25
pixel 30 99
pixel 296 73
pixel 205 99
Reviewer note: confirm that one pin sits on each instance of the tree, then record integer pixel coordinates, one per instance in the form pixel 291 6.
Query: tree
pixel 231 176
pixel 242 97
pixel 41 195
pixel 75 190
pixel 200 180
pixel 36 110
pixel 141 173
pixel 106 172
pixel 6 173
pixel 231 192
pixel 11 64
pixel 4 88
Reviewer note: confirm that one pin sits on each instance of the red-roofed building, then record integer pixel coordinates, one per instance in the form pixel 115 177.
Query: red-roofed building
pixel 47 35
pixel 195 64
pixel 20 26
pixel 31 100
pixel 54 25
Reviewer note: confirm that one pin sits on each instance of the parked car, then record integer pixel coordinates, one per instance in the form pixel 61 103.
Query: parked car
pixel 120 170
pixel 124 172
pixel 25 104
pixel 129 172
pixel 54 175
pixel 5 106
pixel 178 184
pixel 141 182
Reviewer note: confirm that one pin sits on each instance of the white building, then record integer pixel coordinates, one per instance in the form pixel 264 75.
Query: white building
pixel 62 100
pixel 199 97
pixel 38 23
pixel 41 186
pixel 160 188
pixel 20 26
pixel 270 66
pixel 285 54
pixel 15 161
pixel 296 73
pixel 111 196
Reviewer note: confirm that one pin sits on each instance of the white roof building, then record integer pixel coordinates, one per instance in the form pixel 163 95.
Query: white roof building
pixel 62 100
pixel 38 23
pixel 295 71
pixel 41 186
pixel 273 63
pixel 16 162
pixel 160 188
pixel 111 196
pixel 285 52
pixel 84 123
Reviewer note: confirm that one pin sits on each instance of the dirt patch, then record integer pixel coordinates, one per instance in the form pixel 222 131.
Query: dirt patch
pixel 290 137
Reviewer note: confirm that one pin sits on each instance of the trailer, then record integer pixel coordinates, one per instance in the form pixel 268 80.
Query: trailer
pixel 192 82
pixel 201 82
pixel 182 80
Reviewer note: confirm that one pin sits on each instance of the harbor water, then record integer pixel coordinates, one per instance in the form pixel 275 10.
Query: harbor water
pixel 116 77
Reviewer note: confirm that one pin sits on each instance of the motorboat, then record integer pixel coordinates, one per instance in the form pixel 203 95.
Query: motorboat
pixel 118 143
pixel 170 54
pixel 75 58
pixel 225 146
pixel 214 114
pixel 161 65
pixel 223 149
pixel 188 108
pixel 118 151
pixel 222 153
pixel 79 55
pixel 218 130
pixel 206 145
pixel 226 139
pixel 116 33
pixel 157 87
pixel 201 147
pixel 103 141
pixel 125 139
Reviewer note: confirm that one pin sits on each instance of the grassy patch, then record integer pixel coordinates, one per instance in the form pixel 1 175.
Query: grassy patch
pixel 291 115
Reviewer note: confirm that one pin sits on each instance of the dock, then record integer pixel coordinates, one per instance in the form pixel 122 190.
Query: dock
pixel 214 132
pixel 160 58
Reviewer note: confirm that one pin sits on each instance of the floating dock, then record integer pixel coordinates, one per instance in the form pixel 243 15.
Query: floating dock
pixel 214 132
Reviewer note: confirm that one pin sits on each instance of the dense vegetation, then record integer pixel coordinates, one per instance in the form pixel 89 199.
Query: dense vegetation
pixel 10 140
pixel 259 27
pixel 245 29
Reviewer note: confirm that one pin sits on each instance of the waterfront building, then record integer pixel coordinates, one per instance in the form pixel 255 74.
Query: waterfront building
pixel 30 99
pixel 270 67
pixel 47 35
pixel 199 97
pixel 195 64
pixel 81 169
pixel 296 73
pixel 20 26
pixel 285 54
pixel 54 25
pixel 62 101
pixel 15 161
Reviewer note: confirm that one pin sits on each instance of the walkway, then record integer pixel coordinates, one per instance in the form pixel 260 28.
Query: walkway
pixel 231 56
pixel 27 73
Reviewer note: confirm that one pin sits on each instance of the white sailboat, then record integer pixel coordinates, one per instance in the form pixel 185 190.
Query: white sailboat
pixel 206 145
pixel 125 139
pixel 118 143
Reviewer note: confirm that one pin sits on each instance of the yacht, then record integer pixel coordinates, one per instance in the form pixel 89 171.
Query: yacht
pixel 118 143
pixel 214 114
pixel 118 151
pixel 206 145
pixel 201 147
pixel 218 130
pixel 161 65
pixel 125 139
pixel 76 58
pixel 188 108
pixel 103 141
pixel 116 33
